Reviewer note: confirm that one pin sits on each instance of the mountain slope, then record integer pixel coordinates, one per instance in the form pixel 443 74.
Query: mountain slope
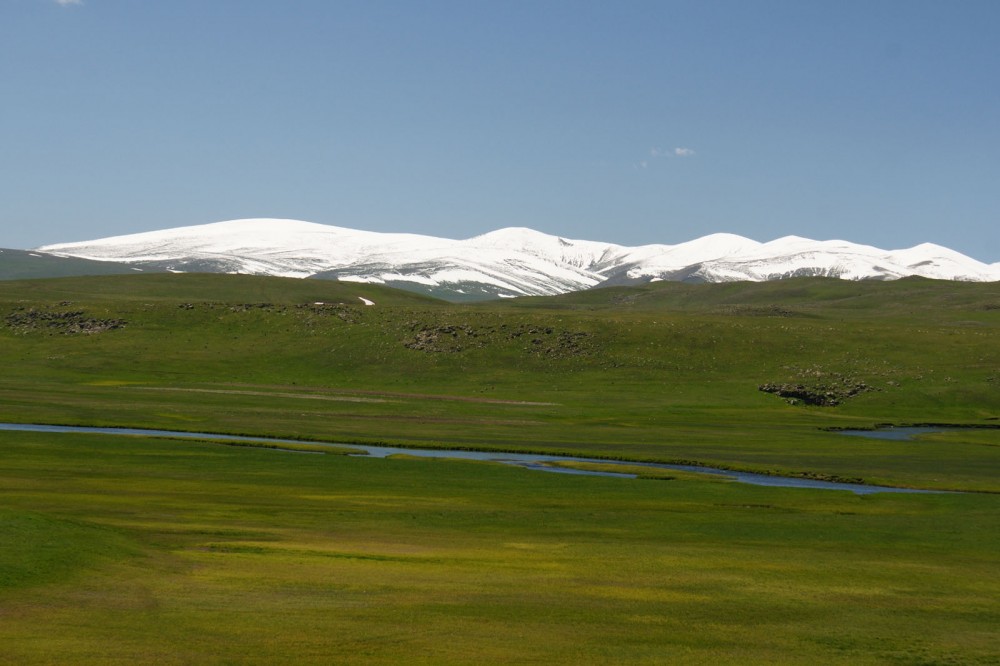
pixel 507 262
pixel 24 265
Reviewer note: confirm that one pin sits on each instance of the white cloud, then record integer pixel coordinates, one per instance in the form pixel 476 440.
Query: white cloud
pixel 655 153
pixel 67 3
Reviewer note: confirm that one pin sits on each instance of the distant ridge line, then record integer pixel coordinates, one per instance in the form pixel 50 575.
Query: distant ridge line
pixel 509 262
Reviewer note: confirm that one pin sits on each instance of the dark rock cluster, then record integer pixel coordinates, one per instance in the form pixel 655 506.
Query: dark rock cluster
pixel 344 312
pixel 247 307
pixel 447 339
pixel 68 322
pixel 565 343
pixel 758 311
pixel 347 313
pixel 820 395
pixel 540 340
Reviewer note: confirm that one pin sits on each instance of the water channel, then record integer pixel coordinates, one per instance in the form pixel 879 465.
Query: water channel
pixel 533 461
pixel 898 434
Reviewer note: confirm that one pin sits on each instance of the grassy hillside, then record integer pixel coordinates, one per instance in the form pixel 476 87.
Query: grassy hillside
pixel 793 297
pixel 176 289
pixel 140 550
pixel 24 265
pixel 666 372
pixel 168 552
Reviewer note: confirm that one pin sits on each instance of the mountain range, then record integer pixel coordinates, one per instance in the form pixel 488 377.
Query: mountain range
pixel 507 262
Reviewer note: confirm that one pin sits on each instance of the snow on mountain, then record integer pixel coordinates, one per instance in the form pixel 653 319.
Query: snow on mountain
pixel 581 254
pixel 660 261
pixel 289 248
pixel 930 260
pixel 794 256
pixel 507 262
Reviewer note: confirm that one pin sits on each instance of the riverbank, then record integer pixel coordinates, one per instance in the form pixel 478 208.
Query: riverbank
pixel 534 461
pixel 149 550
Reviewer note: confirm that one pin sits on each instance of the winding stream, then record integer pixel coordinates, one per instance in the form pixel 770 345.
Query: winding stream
pixel 526 460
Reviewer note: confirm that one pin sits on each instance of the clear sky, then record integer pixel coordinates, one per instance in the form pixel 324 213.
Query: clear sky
pixel 633 122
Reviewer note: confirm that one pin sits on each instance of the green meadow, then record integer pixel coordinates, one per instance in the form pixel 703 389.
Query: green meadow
pixel 157 550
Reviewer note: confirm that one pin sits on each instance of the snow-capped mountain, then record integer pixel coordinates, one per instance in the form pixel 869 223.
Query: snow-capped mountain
pixel 507 262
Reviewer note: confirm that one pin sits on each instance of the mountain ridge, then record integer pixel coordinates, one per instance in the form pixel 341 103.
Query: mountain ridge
pixel 508 262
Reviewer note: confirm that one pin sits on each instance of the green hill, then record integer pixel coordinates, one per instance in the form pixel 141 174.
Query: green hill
pixel 135 549
pixel 179 288
pixel 25 264
pixel 795 296
pixel 742 375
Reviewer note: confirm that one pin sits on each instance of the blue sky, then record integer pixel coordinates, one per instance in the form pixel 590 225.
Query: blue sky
pixel 875 121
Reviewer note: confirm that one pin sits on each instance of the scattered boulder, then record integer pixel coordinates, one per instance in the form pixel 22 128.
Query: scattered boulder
pixel 444 339
pixel 247 307
pixel 342 311
pixel 68 322
pixel 536 340
pixel 819 395
pixel 758 311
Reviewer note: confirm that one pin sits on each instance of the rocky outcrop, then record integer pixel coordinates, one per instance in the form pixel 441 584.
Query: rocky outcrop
pixel 66 322
pixel 828 394
pixel 537 340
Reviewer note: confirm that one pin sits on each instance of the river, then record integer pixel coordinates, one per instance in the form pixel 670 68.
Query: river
pixel 531 461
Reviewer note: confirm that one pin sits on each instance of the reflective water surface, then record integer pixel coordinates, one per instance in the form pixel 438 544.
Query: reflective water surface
pixel 531 461
pixel 898 434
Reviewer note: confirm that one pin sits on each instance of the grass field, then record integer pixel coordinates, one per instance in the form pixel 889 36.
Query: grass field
pixel 176 552
pixel 161 551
